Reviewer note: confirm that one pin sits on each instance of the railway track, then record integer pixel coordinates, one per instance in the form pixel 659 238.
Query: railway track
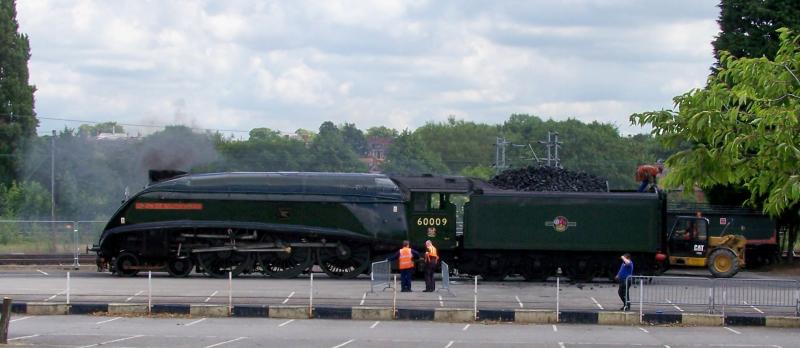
pixel 44 259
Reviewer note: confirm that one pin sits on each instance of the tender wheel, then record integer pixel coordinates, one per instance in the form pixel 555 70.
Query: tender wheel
pixel 285 265
pixel 125 265
pixel 495 268
pixel 218 264
pixel 180 267
pixel 536 269
pixel 723 263
pixel 343 261
pixel 582 270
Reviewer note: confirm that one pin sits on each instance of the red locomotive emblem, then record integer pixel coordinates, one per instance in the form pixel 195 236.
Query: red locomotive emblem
pixel 560 223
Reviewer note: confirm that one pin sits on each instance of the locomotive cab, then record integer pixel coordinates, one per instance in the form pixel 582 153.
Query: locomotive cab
pixel 432 217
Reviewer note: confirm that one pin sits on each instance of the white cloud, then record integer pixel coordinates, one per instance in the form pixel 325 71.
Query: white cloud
pixel 289 65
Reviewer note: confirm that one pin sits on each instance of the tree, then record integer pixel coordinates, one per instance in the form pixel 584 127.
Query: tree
pixel 104 127
pixel 409 155
pixel 382 132
pixel 354 138
pixel 744 127
pixel 748 28
pixel 17 119
pixel 331 154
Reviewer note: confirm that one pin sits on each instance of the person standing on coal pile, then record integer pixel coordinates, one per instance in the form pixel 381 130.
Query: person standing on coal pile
pixel 431 261
pixel 623 276
pixel 405 262
pixel 647 174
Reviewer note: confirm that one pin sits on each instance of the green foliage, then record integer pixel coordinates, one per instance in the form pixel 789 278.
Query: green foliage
pixel 749 28
pixel 383 132
pixel 105 127
pixel 332 154
pixel 354 138
pixel 459 144
pixel 743 128
pixel 480 172
pixel 25 200
pixel 17 119
pixel 409 155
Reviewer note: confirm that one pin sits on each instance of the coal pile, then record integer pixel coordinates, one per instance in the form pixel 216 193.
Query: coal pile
pixel 548 179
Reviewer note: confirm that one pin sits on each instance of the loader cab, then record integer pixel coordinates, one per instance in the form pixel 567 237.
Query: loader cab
pixel 688 238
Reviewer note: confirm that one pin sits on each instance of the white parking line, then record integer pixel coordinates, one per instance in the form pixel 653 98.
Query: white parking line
pixel 54 296
pixel 20 319
pixel 676 307
pixel 596 303
pixel 555 329
pixel 22 338
pixel 518 301
pixel 441 302
pixel 288 297
pixel 465 327
pixel 363 297
pixel 112 341
pixel 753 307
pixel 560 344
pixel 449 344
pixel 643 330
pixel 343 344
pixel 212 295
pixel 226 342
pixel 286 323
pixel 107 321
pixel 732 330
pixel 374 324
pixel 195 322
pixel 134 295
pixel 666 346
pixel 42 272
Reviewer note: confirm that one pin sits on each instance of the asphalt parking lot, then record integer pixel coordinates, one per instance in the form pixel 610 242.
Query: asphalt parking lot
pixel 96 331
pixel 50 285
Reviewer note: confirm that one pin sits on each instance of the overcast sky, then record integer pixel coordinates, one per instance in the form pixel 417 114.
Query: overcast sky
pixel 294 64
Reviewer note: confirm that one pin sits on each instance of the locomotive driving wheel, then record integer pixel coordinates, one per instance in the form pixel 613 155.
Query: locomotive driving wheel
pixel 126 264
pixel 287 264
pixel 344 261
pixel 536 269
pixel 180 267
pixel 217 264
pixel 495 268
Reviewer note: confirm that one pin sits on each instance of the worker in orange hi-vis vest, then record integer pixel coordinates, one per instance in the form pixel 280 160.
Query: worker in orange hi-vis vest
pixel 431 260
pixel 646 174
pixel 405 263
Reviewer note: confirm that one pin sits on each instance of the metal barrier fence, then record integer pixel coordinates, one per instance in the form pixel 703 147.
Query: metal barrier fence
pixel 715 295
pixel 49 237
pixel 446 278
pixel 380 274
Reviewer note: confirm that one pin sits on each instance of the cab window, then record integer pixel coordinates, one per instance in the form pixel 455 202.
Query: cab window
pixel 436 202
pixel 420 201
pixel 690 229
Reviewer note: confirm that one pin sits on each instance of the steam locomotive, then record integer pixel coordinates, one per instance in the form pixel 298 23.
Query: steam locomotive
pixel 283 224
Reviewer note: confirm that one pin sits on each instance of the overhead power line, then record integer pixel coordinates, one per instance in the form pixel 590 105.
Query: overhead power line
pixel 132 124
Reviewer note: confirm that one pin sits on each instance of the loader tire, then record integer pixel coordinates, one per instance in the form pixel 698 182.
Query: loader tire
pixel 723 263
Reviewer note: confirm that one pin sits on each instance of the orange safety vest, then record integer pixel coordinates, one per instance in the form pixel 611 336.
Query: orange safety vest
pixel 431 255
pixel 405 262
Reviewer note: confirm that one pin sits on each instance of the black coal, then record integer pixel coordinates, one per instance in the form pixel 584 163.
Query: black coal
pixel 548 179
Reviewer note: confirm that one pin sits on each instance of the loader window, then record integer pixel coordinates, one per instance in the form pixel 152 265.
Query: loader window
pixel 688 237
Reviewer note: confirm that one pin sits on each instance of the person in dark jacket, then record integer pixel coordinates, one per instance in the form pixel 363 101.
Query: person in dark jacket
pixel 623 276
pixel 405 262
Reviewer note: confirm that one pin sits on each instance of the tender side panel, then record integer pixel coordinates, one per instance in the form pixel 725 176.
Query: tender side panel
pixel 564 222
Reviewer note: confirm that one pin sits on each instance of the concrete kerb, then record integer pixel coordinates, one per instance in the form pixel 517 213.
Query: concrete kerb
pixel 695 319
pixel 372 313
pixel 127 308
pixel 535 316
pixel 791 322
pixel 209 310
pixel 47 308
pixel 289 312
pixel 618 318
pixel 454 315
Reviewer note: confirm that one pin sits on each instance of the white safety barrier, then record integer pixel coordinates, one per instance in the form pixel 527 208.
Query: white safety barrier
pixel 380 275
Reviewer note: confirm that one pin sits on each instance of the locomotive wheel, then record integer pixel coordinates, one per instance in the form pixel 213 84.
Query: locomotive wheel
pixel 124 264
pixel 536 269
pixel 343 261
pixel 286 265
pixel 218 264
pixel 494 269
pixel 180 267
